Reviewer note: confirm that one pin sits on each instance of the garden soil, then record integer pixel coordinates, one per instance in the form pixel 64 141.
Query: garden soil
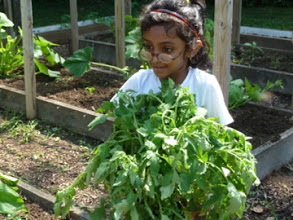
pixel 53 157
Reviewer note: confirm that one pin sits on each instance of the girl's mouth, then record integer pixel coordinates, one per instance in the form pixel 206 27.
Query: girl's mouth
pixel 158 68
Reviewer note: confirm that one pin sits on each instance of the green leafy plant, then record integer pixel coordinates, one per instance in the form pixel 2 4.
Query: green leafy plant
pixel 43 49
pixel 10 52
pixel 241 92
pixel 165 160
pixel 10 201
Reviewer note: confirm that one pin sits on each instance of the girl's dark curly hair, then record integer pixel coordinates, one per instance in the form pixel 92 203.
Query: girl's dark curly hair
pixel 193 12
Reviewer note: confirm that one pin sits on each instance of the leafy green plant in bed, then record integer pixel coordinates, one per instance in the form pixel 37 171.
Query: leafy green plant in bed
pixel 241 92
pixel 10 201
pixel 11 52
pixel 165 160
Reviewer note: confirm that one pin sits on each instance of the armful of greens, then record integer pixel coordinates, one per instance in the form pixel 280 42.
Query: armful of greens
pixel 165 160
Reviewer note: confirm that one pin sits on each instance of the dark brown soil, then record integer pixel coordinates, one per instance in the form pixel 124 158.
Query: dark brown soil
pixel 270 59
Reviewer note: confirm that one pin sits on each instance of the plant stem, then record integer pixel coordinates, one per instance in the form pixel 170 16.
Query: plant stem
pixel 112 67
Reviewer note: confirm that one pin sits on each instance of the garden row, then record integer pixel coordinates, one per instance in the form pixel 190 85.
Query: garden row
pixel 270 156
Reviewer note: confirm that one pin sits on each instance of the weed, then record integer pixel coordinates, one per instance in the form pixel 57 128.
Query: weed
pixel 276 63
pixel 65 80
pixel 26 131
pixel 252 49
pixel 89 90
pixel 17 127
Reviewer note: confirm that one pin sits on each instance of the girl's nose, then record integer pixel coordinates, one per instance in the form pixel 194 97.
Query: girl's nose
pixel 155 58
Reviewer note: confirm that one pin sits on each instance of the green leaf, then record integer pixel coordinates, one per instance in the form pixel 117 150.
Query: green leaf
pixel 154 162
pixel 236 95
pixel 42 47
pixel 186 180
pixel 80 61
pixel 168 184
pixel 120 209
pixel 237 199
pixel 4 21
pixel 102 169
pixel 166 191
pixel 10 201
pixel 98 120
pixel 99 213
pixel 10 181
pixel 45 70
pixel 165 217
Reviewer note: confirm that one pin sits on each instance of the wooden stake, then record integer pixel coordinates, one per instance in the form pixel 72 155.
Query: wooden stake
pixel 222 44
pixel 236 23
pixel 74 25
pixel 120 32
pixel 28 53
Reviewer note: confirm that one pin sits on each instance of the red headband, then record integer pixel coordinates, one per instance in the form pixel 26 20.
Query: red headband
pixel 180 17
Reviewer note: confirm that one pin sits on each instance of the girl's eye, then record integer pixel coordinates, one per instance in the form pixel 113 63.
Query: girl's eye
pixel 147 47
pixel 168 49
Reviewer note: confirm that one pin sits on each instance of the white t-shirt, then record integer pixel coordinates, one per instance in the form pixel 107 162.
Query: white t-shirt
pixel 208 93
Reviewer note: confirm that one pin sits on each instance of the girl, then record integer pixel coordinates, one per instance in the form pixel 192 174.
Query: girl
pixel 175 47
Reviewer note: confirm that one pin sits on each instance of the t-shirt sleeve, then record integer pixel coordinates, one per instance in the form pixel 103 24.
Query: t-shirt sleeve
pixel 215 103
pixel 132 83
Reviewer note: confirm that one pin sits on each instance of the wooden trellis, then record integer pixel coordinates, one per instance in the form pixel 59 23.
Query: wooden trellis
pixel 222 40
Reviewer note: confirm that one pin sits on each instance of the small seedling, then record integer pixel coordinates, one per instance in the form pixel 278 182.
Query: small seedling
pixel 252 49
pixel 90 90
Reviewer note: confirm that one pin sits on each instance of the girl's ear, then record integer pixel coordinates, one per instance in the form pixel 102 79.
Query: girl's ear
pixel 194 49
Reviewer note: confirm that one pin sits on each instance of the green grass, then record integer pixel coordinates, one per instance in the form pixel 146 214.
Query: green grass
pixel 265 17
pixel 268 17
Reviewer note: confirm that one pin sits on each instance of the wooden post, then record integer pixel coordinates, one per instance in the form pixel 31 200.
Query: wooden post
pixel 8 12
pixel 222 44
pixel 28 53
pixel 128 7
pixel 236 23
pixel 120 32
pixel 74 25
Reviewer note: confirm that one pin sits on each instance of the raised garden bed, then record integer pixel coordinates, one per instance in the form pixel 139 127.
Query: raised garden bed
pixel 69 105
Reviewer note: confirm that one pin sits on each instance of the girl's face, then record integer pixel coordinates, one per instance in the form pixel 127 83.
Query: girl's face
pixel 156 41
